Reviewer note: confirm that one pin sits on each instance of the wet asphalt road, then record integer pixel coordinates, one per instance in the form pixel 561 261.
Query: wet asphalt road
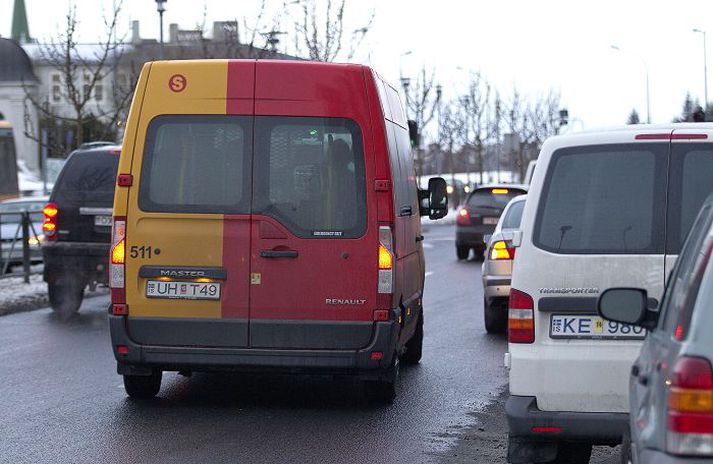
pixel 61 400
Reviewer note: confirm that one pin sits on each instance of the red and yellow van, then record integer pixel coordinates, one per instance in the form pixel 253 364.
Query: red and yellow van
pixel 266 216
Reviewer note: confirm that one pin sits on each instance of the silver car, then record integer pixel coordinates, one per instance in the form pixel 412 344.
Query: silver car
pixel 11 229
pixel 497 266
pixel 671 382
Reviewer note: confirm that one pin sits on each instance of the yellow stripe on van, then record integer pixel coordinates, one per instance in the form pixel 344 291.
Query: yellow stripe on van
pixel 171 87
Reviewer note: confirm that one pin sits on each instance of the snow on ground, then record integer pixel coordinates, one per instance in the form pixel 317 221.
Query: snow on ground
pixel 15 293
pixel 450 218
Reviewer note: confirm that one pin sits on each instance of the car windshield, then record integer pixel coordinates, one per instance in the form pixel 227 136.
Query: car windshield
pixel 493 198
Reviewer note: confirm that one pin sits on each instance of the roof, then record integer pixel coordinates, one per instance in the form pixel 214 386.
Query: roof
pixel 87 52
pixel 15 65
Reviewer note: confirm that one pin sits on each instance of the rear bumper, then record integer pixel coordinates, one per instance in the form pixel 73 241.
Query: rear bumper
pixel 91 259
pixel 496 286
pixel 473 235
pixel 597 428
pixel 173 358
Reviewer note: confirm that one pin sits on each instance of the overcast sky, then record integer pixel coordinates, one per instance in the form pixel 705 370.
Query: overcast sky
pixel 534 45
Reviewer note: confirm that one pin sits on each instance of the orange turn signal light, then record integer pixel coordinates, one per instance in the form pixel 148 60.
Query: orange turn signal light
pixel 118 253
pixel 384 258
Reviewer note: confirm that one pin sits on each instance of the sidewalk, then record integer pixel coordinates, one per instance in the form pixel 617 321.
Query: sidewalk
pixel 17 296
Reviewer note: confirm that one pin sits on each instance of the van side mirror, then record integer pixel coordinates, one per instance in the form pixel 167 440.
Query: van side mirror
pixel 628 306
pixel 435 199
pixel 413 133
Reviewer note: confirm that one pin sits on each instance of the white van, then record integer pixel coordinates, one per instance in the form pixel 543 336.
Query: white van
pixel 605 209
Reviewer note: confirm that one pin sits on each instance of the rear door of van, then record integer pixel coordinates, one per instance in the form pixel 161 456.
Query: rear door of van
pixel 596 220
pixel 314 241
pixel 188 206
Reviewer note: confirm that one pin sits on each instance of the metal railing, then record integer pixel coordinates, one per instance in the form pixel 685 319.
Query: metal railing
pixel 18 247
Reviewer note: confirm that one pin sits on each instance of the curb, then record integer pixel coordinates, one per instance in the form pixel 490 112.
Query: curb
pixel 37 301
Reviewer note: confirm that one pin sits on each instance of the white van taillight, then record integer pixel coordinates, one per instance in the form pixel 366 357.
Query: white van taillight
pixel 690 408
pixel 49 226
pixel 521 318
pixel 385 261
pixel 116 266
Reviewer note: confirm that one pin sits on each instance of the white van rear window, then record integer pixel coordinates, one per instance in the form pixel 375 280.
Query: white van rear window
pixel 604 199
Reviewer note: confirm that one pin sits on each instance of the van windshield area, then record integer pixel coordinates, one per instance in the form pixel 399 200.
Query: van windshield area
pixel 307 173
pixel 604 199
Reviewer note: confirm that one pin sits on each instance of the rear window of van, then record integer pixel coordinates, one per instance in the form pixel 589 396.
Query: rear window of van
pixel 604 199
pixel 308 173
pixel 88 177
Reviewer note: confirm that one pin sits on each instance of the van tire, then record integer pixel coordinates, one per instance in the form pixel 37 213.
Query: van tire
pixel 414 347
pixel 143 386
pixel 66 295
pixel 383 391
pixel 462 252
pixel 573 453
pixel 495 316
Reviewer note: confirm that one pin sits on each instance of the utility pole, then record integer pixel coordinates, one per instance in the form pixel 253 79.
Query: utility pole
pixel 646 69
pixel 705 69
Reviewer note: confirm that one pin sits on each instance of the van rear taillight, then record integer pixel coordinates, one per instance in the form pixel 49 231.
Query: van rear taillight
pixel 521 318
pixel 117 265
pixel 49 226
pixel 463 217
pixel 501 251
pixel 385 265
pixel 690 408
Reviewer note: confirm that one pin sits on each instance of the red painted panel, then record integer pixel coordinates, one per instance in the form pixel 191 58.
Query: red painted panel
pixel 297 288
pixel 236 260
pixel 241 87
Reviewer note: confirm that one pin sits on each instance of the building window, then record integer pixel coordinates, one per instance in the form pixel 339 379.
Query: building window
pixel 56 89
pixel 98 92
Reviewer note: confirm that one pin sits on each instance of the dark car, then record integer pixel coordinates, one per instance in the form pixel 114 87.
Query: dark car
pixel 77 226
pixel 480 214
pixel 671 382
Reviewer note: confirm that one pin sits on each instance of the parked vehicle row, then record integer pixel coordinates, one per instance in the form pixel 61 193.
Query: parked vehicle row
pixel 606 210
pixel 11 233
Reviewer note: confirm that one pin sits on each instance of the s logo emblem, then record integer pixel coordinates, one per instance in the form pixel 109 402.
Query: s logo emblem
pixel 177 83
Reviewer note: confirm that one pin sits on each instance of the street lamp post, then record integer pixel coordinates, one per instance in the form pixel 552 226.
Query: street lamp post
pixel 161 7
pixel 646 68
pixel 705 69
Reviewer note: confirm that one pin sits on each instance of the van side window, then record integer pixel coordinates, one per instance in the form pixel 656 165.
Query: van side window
pixel 309 175
pixel 604 199
pixel 197 164
pixel 408 173
pixel 689 186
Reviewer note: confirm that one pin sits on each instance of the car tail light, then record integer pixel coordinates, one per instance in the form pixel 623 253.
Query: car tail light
pixel 521 318
pixel 385 266
pixel 690 408
pixel 49 226
pixel 117 266
pixel 463 217
pixel 501 251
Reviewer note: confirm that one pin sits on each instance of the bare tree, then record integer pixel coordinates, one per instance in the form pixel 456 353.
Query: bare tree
pixel 477 103
pixel 81 80
pixel 451 130
pixel 422 100
pixel 320 31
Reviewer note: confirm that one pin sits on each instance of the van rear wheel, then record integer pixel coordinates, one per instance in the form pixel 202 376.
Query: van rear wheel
pixel 495 316
pixel 384 390
pixel 462 251
pixel 414 347
pixel 143 386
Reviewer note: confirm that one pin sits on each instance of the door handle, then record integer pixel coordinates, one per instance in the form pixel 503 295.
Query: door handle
pixel 405 211
pixel 419 238
pixel 279 253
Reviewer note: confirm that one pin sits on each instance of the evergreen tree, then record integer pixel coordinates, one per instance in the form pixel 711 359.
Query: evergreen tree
pixel 634 117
